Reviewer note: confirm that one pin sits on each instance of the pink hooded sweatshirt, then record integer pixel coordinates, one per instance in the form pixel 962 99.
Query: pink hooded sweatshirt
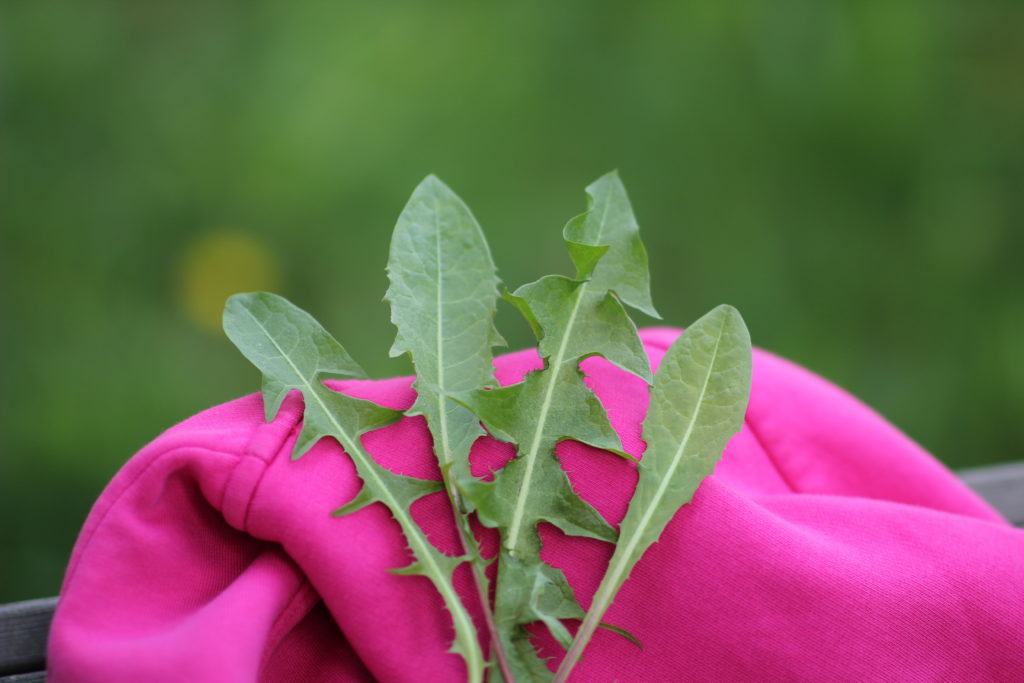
pixel 827 546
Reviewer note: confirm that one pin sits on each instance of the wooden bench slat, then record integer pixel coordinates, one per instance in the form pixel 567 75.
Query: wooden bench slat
pixel 1002 486
pixel 24 626
pixel 34 677
pixel 23 630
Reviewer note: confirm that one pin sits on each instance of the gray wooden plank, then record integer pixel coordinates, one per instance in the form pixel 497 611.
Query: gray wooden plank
pixel 34 677
pixel 1002 486
pixel 23 630
pixel 24 625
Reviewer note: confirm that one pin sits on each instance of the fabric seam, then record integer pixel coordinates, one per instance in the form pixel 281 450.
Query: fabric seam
pixel 771 456
pixel 295 610
pixel 272 454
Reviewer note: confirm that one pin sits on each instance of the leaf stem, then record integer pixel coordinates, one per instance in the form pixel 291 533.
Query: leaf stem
pixel 422 550
pixel 467 542
pixel 602 600
pixel 469 545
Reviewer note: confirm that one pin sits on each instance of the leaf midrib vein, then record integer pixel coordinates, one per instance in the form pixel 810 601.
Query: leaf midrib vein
pixel 442 391
pixel 667 477
pixel 531 457
pixel 396 509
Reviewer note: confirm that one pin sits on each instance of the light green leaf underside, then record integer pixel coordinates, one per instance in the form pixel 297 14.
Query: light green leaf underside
pixel 301 348
pixel 443 292
pixel 698 402
pixel 295 352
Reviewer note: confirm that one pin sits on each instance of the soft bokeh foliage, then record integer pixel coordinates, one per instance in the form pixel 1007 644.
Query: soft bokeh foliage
pixel 848 175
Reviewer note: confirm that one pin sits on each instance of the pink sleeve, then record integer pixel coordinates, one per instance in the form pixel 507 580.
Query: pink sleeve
pixel 163 585
pixel 827 546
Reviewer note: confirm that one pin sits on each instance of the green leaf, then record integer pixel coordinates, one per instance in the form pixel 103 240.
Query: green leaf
pixel 571 411
pixel 618 630
pixel 698 402
pixel 443 294
pixel 295 352
pixel 310 349
pixel 538 593
pixel 610 221
pixel 573 319
pixel 577 319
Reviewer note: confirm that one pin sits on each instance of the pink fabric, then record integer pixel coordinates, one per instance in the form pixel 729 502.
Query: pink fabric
pixel 827 546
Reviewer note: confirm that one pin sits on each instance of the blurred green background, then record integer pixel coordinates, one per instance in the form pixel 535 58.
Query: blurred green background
pixel 848 174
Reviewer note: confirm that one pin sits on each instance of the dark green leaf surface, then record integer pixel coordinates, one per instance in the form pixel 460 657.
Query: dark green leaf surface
pixel 698 402
pixel 295 352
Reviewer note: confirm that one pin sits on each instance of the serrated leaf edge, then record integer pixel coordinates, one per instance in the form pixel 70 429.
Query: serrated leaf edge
pixel 422 549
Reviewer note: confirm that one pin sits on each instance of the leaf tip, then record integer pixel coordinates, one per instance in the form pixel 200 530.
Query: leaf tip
pixel 622 632
pixel 358 502
pixel 431 182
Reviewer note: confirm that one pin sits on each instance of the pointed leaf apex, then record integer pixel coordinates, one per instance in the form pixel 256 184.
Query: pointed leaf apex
pixel 622 632
pixel 413 569
pixel 431 183
pixel 361 500
pixel 273 394
pixel 610 220
pixel 307 438
pixel 624 455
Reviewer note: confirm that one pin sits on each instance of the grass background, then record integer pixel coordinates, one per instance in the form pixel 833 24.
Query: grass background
pixel 847 174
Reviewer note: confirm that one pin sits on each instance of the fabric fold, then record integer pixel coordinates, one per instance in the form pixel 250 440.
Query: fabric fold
pixel 827 546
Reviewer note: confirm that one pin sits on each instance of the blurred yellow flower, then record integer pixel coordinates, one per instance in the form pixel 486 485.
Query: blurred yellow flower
pixel 217 265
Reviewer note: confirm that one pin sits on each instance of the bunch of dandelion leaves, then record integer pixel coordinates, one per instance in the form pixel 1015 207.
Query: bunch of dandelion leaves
pixel 442 294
